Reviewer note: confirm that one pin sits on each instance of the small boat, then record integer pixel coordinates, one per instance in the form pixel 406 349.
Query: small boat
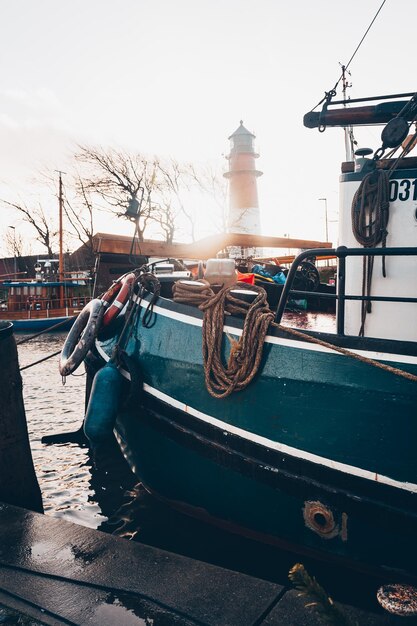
pixel 42 303
pixel 312 446
pixel 53 299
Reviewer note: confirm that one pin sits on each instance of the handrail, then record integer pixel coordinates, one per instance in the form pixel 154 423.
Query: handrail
pixel 341 253
pixel 46 304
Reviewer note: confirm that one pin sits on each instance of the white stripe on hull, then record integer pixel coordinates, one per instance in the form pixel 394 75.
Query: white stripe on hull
pixel 290 343
pixel 269 443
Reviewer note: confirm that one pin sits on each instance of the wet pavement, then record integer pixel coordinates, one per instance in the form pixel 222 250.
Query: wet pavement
pixel 57 572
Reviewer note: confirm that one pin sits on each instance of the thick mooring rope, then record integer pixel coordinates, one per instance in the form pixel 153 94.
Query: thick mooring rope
pixel 370 209
pixel 42 332
pixel 246 353
pixel 46 330
pixel 346 352
pixel 370 215
pixel 192 292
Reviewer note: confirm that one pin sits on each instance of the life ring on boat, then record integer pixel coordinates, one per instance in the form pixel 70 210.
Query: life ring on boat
pixel 116 297
pixel 81 337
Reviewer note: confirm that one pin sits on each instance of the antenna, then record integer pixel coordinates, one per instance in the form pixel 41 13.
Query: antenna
pixel 348 130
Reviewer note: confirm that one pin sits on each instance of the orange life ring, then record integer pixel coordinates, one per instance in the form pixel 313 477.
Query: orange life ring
pixel 116 297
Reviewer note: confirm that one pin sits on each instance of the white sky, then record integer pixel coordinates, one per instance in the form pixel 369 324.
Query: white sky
pixel 174 77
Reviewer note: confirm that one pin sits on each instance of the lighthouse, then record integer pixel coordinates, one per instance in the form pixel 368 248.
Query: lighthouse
pixel 244 216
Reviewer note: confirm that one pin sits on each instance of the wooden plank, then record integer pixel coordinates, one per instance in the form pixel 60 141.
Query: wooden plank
pixel 289 258
pixel 374 114
pixel 204 248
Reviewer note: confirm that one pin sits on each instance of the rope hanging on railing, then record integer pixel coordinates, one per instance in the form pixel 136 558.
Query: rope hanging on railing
pixel 370 215
pixel 246 353
pixel 354 355
pixel 149 282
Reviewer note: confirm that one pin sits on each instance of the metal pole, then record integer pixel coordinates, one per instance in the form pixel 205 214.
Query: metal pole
pixel 326 222
pixel 61 255
pixel 61 259
pixel 325 217
pixel 14 250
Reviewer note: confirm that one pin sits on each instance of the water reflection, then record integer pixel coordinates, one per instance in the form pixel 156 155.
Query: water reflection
pixel 325 322
pixel 126 609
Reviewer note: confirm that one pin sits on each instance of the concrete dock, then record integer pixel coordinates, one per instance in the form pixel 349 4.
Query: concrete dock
pixel 57 573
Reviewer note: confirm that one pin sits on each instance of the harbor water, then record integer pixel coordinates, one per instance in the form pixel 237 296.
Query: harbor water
pixel 102 493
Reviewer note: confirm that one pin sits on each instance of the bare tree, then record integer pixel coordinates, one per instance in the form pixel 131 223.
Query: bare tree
pixel 166 217
pixel 173 187
pixel 14 243
pixel 37 218
pixel 124 181
pixel 80 213
pixel 151 189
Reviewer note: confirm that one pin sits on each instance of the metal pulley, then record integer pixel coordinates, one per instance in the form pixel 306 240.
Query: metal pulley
pixel 394 132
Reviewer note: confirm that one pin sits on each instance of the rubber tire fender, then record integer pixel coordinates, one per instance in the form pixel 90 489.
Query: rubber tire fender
pixel 80 338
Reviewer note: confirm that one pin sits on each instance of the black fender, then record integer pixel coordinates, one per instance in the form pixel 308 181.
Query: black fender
pixel 81 337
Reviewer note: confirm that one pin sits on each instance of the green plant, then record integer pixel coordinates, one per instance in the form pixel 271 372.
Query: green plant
pixel 321 602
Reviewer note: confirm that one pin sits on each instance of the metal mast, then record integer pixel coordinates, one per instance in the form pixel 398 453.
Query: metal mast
pixel 61 253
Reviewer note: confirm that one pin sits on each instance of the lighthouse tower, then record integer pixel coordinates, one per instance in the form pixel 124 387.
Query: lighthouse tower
pixel 244 214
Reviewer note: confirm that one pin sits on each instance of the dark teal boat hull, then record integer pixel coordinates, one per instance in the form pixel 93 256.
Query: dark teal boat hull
pixel 318 452
pixel 42 323
pixel 229 486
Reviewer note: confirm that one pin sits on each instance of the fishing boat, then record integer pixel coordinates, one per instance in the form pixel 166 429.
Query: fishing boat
pixel 293 437
pixel 52 299
pixel 42 303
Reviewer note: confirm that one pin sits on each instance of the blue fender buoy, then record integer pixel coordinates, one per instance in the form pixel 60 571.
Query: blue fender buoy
pixel 104 404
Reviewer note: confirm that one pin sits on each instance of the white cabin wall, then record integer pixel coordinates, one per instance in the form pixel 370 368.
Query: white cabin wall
pixel 387 320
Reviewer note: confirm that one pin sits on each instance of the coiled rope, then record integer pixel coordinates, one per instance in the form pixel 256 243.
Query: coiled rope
pixel 370 215
pixel 192 292
pixel 246 353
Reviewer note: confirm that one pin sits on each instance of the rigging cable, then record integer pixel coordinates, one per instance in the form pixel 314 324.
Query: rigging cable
pixel 328 95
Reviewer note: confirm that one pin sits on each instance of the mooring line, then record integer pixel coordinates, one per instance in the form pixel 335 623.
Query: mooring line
pixel 40 361
pixel 46 330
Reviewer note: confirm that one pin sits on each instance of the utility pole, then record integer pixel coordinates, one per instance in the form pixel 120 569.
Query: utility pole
pixel 14 250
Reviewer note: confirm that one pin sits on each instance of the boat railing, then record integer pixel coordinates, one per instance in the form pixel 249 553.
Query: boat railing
pixel 36 304
pixel 340 296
